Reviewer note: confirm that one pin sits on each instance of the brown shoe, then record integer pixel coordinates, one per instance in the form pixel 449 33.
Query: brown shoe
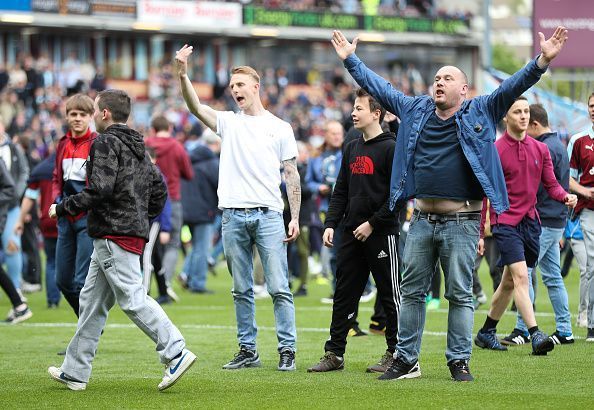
pixel 384 363
pixel 328 363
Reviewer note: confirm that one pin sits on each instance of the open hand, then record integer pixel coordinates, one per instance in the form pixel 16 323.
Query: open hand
pixel 550 48
pixel 181 59
pixel 342 46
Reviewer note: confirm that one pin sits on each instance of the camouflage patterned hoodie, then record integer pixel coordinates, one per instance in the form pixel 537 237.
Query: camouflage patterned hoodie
pixel 125 189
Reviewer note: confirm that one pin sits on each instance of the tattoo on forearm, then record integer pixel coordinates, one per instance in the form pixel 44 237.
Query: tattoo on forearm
pixel 293 187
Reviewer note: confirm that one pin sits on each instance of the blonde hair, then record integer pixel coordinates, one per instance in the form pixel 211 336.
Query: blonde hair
pixel 246 69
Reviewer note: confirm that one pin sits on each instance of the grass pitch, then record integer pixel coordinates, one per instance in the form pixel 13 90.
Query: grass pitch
pixel 126 370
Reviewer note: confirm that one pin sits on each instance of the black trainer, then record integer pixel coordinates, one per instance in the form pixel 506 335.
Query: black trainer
pixel 541 343
pixel 562 340
pixel 401 370
pixel 590 335
pixel 244 358
pixel 287 360
pixel 460 371
pixel 515 338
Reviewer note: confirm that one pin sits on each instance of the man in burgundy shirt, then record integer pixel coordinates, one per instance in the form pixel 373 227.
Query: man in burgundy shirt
pixel 526 163
pixel 581 181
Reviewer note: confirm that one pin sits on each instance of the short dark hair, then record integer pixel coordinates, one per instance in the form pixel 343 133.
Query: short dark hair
pixel 160 123
pixel 590 97
pixel 115 101
pixel 373 104
pixel 520 98
pixel 539 114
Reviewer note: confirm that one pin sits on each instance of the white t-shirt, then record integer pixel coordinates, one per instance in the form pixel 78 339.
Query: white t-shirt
pixel 251 153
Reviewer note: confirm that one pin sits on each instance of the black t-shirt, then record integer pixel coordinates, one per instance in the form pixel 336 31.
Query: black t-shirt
pixel 440 167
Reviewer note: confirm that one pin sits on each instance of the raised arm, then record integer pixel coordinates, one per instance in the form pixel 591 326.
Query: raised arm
pixel 503 97
pixel 381 89
pixel 204 113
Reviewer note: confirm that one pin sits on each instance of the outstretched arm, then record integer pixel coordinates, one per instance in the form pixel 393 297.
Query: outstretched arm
pixel 510 89
pixel 378 87
pixel 206 114
pixel 293 195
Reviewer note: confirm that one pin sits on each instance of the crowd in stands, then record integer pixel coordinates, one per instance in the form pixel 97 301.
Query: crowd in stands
pixel 400 8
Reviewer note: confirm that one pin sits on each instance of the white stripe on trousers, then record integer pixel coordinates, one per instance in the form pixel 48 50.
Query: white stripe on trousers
pixel 395 274
pixel 147 266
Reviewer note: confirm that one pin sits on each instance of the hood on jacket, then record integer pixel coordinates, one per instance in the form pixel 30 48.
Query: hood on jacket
pixel 382 137
pixel 201 153
pixel 131 138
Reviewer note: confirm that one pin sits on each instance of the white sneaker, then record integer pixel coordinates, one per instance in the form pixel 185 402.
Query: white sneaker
pixel 19 316
pixel 27 287
pixel 171 293
pixel 582 319
pixel 260 292
pixel 176 369
pixel 58 375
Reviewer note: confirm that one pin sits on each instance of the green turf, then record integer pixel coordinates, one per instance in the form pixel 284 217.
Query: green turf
pixel 126 370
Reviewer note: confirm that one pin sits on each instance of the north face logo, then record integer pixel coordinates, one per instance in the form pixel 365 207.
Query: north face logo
pixel 382 254
pixel 362 165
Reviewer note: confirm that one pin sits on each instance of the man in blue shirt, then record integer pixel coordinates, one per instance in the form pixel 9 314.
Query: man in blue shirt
pixel 443 139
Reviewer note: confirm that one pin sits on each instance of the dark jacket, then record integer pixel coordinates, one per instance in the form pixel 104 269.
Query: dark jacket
pixel 362 189
pixel 553 214
pixel 19 170
pixel 6 193
pixel 475 122
pixel 125 190
pixel 199 195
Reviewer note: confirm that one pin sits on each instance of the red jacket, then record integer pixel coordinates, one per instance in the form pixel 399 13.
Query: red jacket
pixel 71 158
pixel 173 161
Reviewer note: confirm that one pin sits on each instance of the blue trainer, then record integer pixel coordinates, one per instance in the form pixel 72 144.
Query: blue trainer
pixel 541 343
pixel 488 340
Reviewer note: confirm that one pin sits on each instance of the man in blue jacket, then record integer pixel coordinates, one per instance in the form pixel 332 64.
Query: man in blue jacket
pixel 446 159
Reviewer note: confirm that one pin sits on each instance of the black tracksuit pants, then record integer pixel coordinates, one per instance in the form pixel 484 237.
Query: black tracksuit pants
pixel 378 254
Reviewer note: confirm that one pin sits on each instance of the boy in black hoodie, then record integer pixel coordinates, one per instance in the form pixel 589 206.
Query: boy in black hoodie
pixel 370 239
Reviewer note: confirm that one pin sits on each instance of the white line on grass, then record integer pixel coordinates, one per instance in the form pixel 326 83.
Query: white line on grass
pixel 328 308
pixel 186 326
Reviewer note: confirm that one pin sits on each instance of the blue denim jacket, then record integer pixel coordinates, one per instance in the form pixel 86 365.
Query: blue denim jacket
pixel 476 122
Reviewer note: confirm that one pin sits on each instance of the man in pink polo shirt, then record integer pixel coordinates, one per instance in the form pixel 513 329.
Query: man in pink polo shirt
pixel 526 163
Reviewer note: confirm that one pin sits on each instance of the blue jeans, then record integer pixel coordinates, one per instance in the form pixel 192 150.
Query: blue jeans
pixel 241 230
pixel 549 261
pixel 454 244
pixel 14 260
pixel 51 288
pixel 73 256
pixel 196 264
pixel 217 248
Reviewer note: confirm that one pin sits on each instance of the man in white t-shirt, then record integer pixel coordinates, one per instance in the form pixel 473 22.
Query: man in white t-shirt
pixel 255 145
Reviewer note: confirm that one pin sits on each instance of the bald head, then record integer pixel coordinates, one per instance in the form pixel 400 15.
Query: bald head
pixel 450 87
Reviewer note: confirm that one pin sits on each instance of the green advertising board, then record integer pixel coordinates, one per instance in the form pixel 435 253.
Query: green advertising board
pixel 260 16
